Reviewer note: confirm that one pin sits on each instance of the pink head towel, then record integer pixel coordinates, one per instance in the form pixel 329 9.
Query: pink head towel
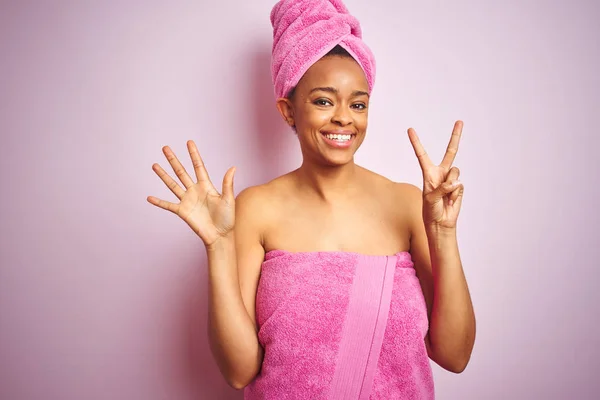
pixel 306 30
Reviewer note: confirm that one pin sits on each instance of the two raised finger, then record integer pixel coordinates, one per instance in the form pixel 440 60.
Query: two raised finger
pixel 424 160
pixel 452 148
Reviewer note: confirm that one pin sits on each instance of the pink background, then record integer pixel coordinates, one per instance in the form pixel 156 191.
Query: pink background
pixel 103 296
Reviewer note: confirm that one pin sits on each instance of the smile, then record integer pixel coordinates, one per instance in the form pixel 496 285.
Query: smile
pixel 338 139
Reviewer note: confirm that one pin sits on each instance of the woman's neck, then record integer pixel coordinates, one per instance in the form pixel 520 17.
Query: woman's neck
pixel 329 183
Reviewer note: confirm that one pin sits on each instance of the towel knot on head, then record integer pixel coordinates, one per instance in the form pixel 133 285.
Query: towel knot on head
pixel 304 31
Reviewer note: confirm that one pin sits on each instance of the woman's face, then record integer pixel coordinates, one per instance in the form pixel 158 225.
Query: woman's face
pixel 329 109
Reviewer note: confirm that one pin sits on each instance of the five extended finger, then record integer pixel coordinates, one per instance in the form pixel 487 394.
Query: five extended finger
pixel 178 167
pixel 228 194
pixel 170 182
pixel 198 163
pixel 165 205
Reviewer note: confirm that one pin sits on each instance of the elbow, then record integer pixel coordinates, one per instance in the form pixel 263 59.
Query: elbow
pixel 238 372
pixel 241 379
pixel 458 367
pixel 453 358
pixel 456 364
pixel 238 382
pixel 237 385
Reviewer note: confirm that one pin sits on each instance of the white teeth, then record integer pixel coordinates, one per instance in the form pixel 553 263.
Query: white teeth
pixel 340 138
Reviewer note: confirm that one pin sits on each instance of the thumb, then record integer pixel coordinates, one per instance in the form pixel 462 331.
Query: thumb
pixel 228 185
pixel 443 190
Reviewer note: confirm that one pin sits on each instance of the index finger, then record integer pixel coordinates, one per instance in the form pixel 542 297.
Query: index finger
pixel 420 152
pixel 178 168
pixel 199 168
pixel 452 148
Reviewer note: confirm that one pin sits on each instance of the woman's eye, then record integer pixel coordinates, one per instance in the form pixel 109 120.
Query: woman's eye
pixel 360 106
pixel 322 102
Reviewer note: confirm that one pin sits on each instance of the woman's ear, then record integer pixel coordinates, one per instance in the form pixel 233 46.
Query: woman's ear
pixel 286 109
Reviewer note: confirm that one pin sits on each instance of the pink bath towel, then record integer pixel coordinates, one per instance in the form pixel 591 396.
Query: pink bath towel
pixel 339 325
pixel 304 31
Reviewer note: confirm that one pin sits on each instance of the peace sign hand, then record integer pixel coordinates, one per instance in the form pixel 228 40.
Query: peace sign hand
pixel 210 215
pixel 442 191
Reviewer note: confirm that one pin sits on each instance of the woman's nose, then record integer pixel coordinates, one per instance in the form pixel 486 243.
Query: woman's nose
pixel 342 116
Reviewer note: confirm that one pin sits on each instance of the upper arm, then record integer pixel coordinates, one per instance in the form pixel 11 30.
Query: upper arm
pixel 419 248
pixel 249 250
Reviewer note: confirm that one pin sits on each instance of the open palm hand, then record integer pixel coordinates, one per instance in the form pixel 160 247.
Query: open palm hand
pixel 211 215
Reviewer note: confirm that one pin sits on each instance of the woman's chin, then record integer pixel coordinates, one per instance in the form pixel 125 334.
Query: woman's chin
pixel 331 156
pixel 340 159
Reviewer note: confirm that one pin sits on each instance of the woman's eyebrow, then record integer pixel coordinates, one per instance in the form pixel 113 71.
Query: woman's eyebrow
pixel 357 93
pixel 324 89
pixel 333 90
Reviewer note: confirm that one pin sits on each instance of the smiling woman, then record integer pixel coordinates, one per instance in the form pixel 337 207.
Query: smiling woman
pixel 331 281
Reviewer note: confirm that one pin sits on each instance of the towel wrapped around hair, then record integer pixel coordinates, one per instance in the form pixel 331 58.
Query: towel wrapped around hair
pixel 306 30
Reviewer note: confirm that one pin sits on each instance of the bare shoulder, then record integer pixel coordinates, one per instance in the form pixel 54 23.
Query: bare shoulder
pixel 407 191
pixel 259 203
pixel 400 190
pixel 264 195
pixel 404 203
pixel 411 199
pixel 251 197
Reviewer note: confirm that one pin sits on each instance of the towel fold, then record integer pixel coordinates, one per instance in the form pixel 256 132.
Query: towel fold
pixel 304 31
pixel 339 325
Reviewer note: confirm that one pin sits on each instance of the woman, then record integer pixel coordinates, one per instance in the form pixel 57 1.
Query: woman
pixel 330 281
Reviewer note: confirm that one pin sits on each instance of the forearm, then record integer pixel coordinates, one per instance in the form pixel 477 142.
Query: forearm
pixel 232 334
pixel 452 321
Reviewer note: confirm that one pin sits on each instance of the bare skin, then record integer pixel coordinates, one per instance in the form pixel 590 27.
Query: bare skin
pixel 328 204
pixel 364 219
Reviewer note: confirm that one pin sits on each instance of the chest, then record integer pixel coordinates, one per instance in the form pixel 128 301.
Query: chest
pixel 369 227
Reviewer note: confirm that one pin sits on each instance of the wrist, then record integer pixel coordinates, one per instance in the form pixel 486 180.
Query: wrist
pixel 223 242
pixel 435 231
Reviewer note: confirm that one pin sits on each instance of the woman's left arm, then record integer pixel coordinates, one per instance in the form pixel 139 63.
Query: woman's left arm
pixel 434 249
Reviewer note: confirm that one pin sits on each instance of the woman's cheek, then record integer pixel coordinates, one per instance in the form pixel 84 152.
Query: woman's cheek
pixel 320 117
pixel 360 121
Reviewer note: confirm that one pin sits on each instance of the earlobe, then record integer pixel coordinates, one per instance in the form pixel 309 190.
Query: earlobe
pixel 284 106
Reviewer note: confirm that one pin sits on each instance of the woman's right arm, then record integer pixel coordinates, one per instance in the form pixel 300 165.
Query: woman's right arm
pixel 230 230
pixel 234 270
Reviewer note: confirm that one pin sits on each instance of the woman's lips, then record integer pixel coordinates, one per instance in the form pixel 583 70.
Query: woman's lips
pixel 338 144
